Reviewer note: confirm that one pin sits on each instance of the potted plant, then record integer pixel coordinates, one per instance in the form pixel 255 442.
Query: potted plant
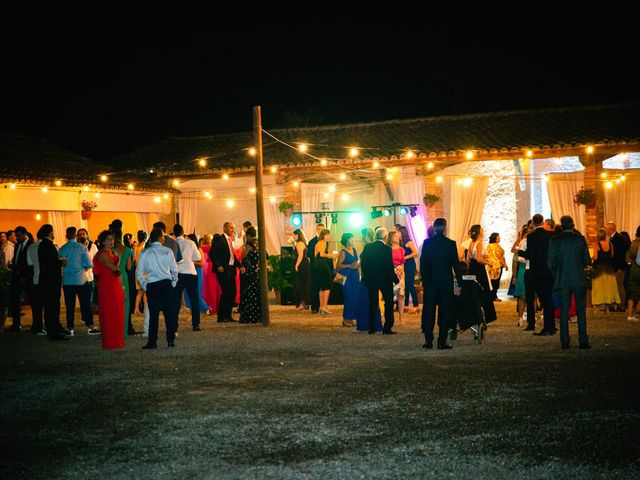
pixel 87 207
pixel 585 196
pixel 286 208
pixel 430 199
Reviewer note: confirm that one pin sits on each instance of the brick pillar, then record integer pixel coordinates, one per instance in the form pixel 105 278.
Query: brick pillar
pixel 434 188
pixel 595 214
pixel 292 195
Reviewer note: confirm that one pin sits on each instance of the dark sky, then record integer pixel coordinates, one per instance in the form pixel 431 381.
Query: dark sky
pixel 103 97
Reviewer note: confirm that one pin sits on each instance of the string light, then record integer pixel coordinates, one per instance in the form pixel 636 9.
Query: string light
pixel 252 189
pixel 353 152
pixel 58 183
pixel 410 154
pixel 225 177
pixel 302 147
pixel 202 162
pixel 38 216
pixel 623 178
pixel 253 152
pixel 323 162
pixel 230 203
pixel 296 183
pixel 156 199
pixel 274 169
pixel 438 179
pixel 469 154
pixel 45 189
pixel 608 185
pixel 529 153
pixel 376 164
pixel 12 186
pixel 104 178
pixel 590 149
pixel 430 166
pixel 131 186
pixel 343 176
pixel 176 183
pixel 85 188
pixel 603 175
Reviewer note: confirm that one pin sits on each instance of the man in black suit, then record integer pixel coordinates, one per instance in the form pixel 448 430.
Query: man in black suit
pixel 50 283
pixel 538 278
pixel 21 277
pixel 224 264
pixel 620 247
pixel 568 257
pixel 314 290
pixel 378 275
pixel 438 264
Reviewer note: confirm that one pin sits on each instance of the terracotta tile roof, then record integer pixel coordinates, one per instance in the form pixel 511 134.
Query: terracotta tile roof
pixel 491 132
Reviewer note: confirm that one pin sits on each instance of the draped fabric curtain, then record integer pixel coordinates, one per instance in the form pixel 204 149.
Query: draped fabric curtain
pixel 562 188
pixel 188 208
pixel 274 220
pixel 412 192
pixel 467 204
pixel 313 194
pixel 622 205
pixel 144 221
pixel 60 220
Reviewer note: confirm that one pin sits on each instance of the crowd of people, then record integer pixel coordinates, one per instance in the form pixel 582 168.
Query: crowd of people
pixel 121 275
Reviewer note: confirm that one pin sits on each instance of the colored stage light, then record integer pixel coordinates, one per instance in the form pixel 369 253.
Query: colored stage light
pixel 356 220
pixel 386 212
pixel 404 210
pixel 375 213
pixel 296 220
pixel 413 211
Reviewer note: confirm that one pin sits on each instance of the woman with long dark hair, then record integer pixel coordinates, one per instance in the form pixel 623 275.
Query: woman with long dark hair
pixel 410 268
pixel 198 264
pixel 302 275
pixel 250 308
pixel 495 257
pixel 478 267
pixel 347 265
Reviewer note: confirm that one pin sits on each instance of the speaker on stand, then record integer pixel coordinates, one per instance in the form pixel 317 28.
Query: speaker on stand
pixel 287 293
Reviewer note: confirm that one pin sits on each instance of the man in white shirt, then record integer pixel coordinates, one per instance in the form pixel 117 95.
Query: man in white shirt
pixel 187 277
pixel 157 274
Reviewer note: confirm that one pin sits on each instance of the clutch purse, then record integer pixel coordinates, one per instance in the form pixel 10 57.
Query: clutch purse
pixel 340 279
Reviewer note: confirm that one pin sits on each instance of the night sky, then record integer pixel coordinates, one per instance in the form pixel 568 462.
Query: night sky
pixel 104 98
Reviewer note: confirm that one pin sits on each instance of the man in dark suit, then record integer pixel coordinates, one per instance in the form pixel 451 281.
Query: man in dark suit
pixel 568 257
pixel 378 275
pixel 21 277
pixel 314 290
pixel 50 283
pixel 224 264
pixel 438 264
pixel 538 278
pixel 620 247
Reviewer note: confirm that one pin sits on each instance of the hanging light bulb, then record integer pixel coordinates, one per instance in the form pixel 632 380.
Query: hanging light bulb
pixel 253 152
pixel 58 183
pixel 302 147
pixel 353 152
pixel 38 216
pixel 323 162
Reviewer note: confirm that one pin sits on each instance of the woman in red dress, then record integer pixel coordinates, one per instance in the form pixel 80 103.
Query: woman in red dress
pixel 211 291
pixel 110 293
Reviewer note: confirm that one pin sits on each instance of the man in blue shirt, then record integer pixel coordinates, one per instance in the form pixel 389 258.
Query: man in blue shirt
pixel 76 261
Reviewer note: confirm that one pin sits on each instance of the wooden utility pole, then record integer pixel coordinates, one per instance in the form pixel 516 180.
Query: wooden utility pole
pixel 262 232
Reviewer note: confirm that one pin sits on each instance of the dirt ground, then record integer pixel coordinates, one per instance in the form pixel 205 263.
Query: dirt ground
pixel 308 398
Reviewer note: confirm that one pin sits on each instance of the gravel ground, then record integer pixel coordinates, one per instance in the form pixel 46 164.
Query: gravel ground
pixel 308 398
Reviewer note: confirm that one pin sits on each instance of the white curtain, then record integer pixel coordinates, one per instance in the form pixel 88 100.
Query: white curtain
pixel 273 219
pixel 562 188
pixel 622 205
pixel 313 194
pixel 188 208
pixel 60 220
pixel 144 222
pixel 412 192
pixel 467 204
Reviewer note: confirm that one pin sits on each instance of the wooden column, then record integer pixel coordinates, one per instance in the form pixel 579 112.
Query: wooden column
pixel 592 179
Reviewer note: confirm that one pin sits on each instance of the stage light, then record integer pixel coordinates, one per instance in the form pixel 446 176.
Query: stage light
pixel 413 211
pixel 386 212
pixel 318 218
pixel 334 218
pixel 375 213
pixel 356 220
pixel 296 220
pixel 404 210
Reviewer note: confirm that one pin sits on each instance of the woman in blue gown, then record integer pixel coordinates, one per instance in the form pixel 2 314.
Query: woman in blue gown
pixel 362 310
pixel 348 266
pixel 203 305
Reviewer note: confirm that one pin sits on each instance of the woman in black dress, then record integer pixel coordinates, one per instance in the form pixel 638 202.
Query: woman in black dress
pixel 302 275
pixel 478 267
pixel 322 269
pixel 250 309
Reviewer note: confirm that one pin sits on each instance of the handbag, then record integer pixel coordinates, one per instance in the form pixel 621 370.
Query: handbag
pixel 340 279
